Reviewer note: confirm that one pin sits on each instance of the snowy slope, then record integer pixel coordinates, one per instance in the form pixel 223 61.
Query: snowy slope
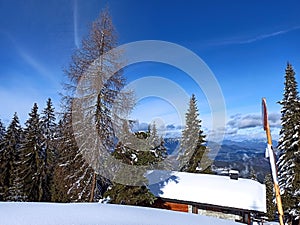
pixel 210 189
pixel 96 214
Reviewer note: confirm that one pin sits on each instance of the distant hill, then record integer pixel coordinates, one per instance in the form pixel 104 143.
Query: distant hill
pixel 243 156
pixel 172 144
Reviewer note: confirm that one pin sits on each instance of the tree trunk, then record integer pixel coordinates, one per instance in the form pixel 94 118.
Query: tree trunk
pixel 93 187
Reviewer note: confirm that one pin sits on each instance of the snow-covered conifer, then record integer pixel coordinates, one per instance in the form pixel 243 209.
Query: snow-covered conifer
pixel 32 157
pixel 10 185
pixel 149 152
pixel 270 195
pixel 48 129
pixel 289 144
pixel 2 131
pixel 192 149
pixel 72 177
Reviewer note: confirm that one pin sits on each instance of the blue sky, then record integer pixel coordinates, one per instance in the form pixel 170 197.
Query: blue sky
pixel 246 44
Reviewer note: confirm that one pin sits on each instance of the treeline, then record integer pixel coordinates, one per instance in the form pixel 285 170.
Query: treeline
pixel 28 156
pixel 42 162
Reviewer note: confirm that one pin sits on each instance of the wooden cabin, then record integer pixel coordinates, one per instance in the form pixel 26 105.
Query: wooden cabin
pixel 226 197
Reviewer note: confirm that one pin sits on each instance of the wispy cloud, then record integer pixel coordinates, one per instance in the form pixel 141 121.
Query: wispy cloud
pixel 260 37
pixel 29 59
pixel 38 67
pixel 34 63
pixel 75 19
pixel 22 88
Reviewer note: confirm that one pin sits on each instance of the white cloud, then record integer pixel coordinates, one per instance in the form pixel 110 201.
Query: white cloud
pixel 249 126
pixel 240 121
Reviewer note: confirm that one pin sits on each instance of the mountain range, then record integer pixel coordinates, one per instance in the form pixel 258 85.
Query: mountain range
pixel 248 156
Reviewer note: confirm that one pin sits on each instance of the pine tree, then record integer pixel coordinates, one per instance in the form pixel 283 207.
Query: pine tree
pixel 33 171
pixel 141 148
pixel 48 127
pixel 72 177
pixel 2 131
pixel 270 195
pixel 289 144
pixel 2 158
pixel 193 157
pixel 130 195
pixel 64 146
pixel 157 144
pixel 138 155
pixel 94 105
pixel 295 198
pixel 253 175
pixel 10 184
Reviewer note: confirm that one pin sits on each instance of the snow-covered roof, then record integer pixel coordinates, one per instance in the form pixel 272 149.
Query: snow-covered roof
pixel 209 189
pixel 21 213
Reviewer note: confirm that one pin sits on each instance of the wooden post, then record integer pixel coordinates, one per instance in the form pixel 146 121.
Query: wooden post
pixel 271 155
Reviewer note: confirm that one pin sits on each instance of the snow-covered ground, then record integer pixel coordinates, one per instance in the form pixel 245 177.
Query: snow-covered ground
pixel 96 214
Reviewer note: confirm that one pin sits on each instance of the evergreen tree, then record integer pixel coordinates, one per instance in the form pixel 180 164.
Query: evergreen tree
pixel 253 175
pixel 295 198
pixel 59 187
pixel 270 195
pixel 2 136
pixel 192 148
pixel 2 158
pixel 2 131
pixel 157 144
pixel 10 184
pixel 72 177
pixel 141 148
pixel 288 144
pixel 48 127
pixel 137 155
pixel 130 195
pixel 33 172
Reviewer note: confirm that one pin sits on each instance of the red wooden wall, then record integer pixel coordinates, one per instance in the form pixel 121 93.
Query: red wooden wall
pixel 171 206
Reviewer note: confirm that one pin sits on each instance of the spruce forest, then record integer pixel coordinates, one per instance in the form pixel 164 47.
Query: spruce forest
pixel 41 161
